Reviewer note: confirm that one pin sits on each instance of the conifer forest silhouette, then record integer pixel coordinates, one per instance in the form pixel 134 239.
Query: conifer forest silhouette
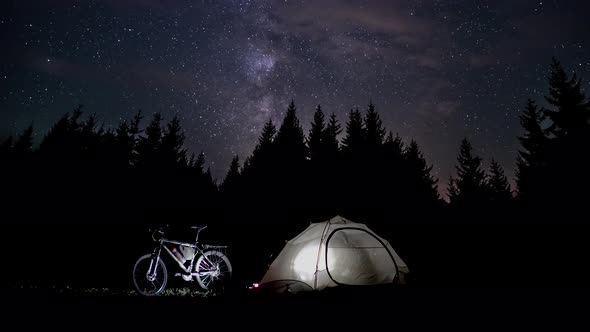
pixel 78 205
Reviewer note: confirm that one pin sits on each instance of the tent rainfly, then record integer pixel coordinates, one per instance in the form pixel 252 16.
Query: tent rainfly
pixel 331 253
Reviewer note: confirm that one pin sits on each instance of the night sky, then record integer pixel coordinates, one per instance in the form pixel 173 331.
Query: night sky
pixel 437 71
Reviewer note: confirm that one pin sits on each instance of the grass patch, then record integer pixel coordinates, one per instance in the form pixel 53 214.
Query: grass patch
pixel 107 292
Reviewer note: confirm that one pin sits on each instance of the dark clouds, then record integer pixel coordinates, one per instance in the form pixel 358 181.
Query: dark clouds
pixel 436 70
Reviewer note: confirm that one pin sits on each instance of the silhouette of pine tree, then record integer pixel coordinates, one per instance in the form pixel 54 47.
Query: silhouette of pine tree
pixel 57 147
pixel 246 165
pixel 323 175
pixel 172 154
pixel 23 146
pixel 197 172
pixel 210 185
pixel 393 174
pixel 355 169
pixel 232 175
pixel 532 159
pixel 66 145
pixel 316 138
pixel 468 191
pixel 572 117
pixel 125 145
pixel 421 187
pixel 290 155
pixel 172 161
pixel 124 159
pixel 259 168
pixel 134 132
pixel 290 141
pixel 148 147
pixel 231 184
pixel 126 139
pixel 354 141
pixel 264 149
pixel 16 167
pixel 569 147
pixel 332 145
pixel 77 158
pixel 90 141
pixel 317 163
pixel 394 150
pixel 500 193
pixel 209 190
pixel 199 164
pixel 377 192
pixel 375 133
pixel 148 167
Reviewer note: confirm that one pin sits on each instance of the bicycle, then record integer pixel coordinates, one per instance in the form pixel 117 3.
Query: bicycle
pixel 208 264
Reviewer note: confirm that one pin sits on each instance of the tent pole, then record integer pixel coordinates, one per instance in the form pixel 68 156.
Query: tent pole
pixel 317 261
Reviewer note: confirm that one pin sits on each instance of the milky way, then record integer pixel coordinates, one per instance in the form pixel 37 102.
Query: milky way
pixel 437 71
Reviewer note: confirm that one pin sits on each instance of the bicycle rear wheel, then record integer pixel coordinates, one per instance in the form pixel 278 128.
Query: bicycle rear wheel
pixel 213 270
pixel 146 282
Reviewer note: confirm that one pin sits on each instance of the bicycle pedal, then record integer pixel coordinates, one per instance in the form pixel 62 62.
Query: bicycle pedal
pixel 185 277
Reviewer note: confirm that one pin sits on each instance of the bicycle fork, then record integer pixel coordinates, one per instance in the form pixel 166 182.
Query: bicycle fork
pixel 153 270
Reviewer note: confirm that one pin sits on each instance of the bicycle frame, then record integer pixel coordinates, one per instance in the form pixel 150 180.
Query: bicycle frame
pixel 199 251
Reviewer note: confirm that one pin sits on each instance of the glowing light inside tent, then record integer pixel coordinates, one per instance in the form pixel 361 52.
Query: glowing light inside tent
pixel 304 263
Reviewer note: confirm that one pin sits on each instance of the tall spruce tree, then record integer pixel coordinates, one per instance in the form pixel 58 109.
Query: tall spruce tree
pixel 569 149
pixel 355 136
pixel 172 154
pixel 420 186
pixel 258 172
pixel 375 133
pixel 22 150
pixel 327 180
pixel 198 165
pixel 394 150
pixel 532 158
pixel 353 152
pixel 468 190
pixel 231 183
pixel 290 141
pixel 500 193
pixel 332 145
pixel 148 147
pixel 317 137
pixel 571 118
pixel 290 174
pixel 263 151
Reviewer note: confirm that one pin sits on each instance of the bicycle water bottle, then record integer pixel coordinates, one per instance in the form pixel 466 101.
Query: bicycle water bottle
pixel 178 255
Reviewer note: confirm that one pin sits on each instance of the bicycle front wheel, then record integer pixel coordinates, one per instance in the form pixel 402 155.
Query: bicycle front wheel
pixel 149 278
pixel 213 270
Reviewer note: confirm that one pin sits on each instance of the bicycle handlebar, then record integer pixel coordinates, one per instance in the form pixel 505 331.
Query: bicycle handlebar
pixel 161 230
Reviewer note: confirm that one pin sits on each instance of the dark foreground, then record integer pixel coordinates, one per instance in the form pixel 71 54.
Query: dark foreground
pixel 389 309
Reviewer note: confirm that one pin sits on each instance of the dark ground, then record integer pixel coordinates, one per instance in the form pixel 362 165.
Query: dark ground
pixel 473 309
pixel 479 275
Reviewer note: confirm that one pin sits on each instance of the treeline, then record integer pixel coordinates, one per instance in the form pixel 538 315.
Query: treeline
pixel 369 174
pixel 79 163
pixel 142 173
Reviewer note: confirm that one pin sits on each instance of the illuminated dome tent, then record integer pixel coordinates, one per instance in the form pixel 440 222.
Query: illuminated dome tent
pixel 331 253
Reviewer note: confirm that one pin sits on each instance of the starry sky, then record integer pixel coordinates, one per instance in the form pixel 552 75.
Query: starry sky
pixel 437 71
